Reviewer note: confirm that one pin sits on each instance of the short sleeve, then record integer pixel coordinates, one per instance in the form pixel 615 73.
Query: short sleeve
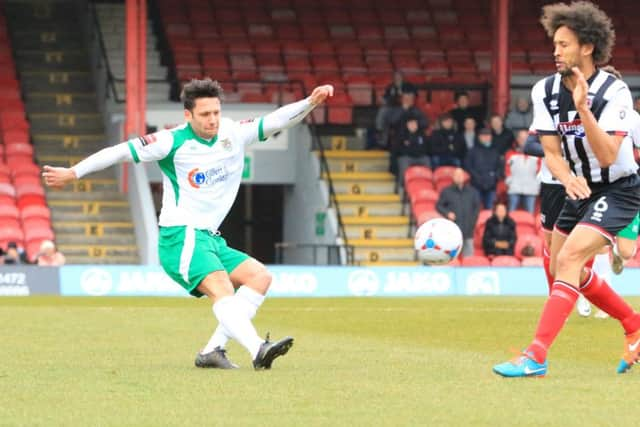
pixel 151 147
pixel 250 130
pixel 616 117
pixel 635 128
pixel 542 121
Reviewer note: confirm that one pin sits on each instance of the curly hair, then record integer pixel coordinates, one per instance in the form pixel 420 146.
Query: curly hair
pixel 195 89
pixel 588 21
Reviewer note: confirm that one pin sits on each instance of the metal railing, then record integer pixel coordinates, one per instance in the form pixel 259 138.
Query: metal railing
pixel 110 82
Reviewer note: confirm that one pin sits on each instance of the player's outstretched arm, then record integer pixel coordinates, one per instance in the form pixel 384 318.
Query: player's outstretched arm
pixel 58 177
pixel 291 114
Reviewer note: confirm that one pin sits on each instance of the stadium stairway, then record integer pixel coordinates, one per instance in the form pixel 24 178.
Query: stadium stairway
pixel 370 207
pixel 91 218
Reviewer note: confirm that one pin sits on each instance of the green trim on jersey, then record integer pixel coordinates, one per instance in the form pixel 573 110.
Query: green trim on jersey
pixel 167 165
pixel 195 136
pixel 261 130
pixel 136 159
pixel 631 231
pixel 189 255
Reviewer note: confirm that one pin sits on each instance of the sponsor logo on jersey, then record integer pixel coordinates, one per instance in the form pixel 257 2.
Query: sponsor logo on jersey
pixel 242 122
pixel 148 139
pixel 198 178
pixel 574 128
pixel 226 144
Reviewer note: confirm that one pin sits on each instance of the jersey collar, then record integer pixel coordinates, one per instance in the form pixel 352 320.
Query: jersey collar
pixel 206 142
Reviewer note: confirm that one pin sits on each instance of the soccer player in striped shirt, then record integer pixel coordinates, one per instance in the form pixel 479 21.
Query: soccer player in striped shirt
pixel 581 114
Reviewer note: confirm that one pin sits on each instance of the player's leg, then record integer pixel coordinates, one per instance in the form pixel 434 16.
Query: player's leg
pixel 602 267
pixel 256 280
pixel 625 246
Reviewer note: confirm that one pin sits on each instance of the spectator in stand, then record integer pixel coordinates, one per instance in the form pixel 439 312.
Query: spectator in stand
pixel 521 171
pixel 502 137
pixel 521 116
pixel 448 147
pixel 392 99
pixel 460 204
pixel 499 236
pixel 1 256
pixel 398 122
pixel 464 110
pixel 469 132
pixel 14 255
pixel 636 104
pixel 484 164
pixel 410 147
pixel 49 255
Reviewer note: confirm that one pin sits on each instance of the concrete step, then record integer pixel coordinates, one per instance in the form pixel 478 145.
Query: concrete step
pixel 81 239
pixel 61 122
pixel 52 60
pixel 333 142
pixel 69 103
pixel 64 81
pixel 377 231
pixel 94 228
pixel 103 260
pixel 35 13
pixel 373 254
pixel 375 220
pixel 368 187
pixel 89 209
pixel 355 161
pixel 49 40
pixel 371 209
pixel 62 215
pixel 100 196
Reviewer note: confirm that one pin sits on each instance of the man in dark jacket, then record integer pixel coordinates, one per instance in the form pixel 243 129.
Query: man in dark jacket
pixel 460 204
pixel 410 148
pixel 448 147
pixel 499 236
pixel 485 166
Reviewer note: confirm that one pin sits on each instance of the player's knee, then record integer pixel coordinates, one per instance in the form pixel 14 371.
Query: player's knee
pixel 625 250
pixel 260 280
pixel 568 258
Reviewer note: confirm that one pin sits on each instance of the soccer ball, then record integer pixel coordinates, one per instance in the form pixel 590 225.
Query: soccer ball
pixel 438 241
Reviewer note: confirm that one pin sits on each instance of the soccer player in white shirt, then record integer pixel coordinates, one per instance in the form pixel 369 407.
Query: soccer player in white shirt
pixel 201 162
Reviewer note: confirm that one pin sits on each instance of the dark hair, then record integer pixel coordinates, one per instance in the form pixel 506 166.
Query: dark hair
pixel 588 21
pixel 195 89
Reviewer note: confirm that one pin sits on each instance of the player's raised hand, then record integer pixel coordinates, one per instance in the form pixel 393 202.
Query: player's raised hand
pixel 320 94
pixel 57 177
pixel 581 90
pixel 577 188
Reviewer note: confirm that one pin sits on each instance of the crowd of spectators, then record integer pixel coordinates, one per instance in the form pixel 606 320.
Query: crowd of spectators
pixel 48 255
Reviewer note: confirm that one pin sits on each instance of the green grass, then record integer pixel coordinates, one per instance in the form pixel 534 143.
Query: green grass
pixel 356 362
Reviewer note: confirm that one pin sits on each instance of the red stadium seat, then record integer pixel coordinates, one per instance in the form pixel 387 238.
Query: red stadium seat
pixel 475 261
pixel 38 233
pixel 8 212
pixel 424 195
pixel 525 222
pixel 505 261
pixel 423 216
pixel 35 211
pixel 532 261
pixel 528 239
pixel 7 189
pixel 19 149
pixel 28 168
pixel 417 172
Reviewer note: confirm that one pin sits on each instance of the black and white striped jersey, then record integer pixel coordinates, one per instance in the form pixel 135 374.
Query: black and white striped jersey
pixel 610 101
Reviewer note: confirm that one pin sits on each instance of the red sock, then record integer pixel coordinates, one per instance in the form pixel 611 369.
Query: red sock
pixel 554 314
pixel 546 261
pixel 602 296
pixel 589 264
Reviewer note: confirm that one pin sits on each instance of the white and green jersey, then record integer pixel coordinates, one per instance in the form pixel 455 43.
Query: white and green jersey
pixel 200 178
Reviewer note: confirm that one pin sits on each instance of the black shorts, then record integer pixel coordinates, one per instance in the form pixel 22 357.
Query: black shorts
pixel 552 197
pixel 610 208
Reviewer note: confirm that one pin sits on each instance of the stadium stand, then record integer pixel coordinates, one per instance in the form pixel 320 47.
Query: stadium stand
pixel 64 125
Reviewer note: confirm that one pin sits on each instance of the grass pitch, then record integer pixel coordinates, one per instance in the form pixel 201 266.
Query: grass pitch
pixel 356 362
